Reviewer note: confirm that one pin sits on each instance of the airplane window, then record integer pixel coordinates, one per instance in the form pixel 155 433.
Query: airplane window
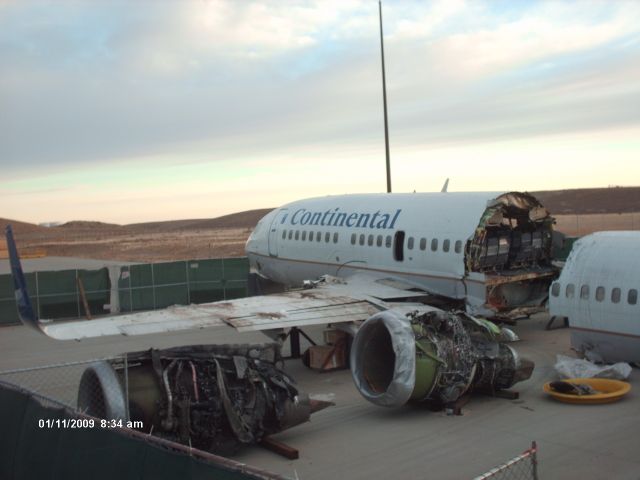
pixel 311 236
pixel 584 292
pixel 304 235
pixel 458 246
pixel 570 291
pixel 327 237
pixel 445 245
pixel 555 289
pixel 615 295
pixel 290 234
pixel 353 238
pixel 335 237
pixel 297 234
pixel 370 240
pixel 284 234
pixel 319 237
pixel 361 239
pixel 387 241
pixel 410 243
pixel 434 244
pixel 632 297
pixel 379 241
pixel 600 294
pixel 423 244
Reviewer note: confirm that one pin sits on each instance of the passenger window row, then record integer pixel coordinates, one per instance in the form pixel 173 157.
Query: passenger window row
pixel 446 245
pixel 600 294
pixel 310 236
pixel 370 240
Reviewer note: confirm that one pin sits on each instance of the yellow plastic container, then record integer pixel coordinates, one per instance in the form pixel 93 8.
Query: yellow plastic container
pixel 612 391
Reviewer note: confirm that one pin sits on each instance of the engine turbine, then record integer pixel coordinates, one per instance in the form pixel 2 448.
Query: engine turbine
pixel 432 355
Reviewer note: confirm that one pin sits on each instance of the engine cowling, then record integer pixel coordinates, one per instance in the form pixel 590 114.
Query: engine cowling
pixel 432 355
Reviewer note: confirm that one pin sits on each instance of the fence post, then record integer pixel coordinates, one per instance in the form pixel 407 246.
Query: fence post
pixel 130 290
pixel 186 267
pixel 38 296
pixel 153 286
pixel 224 281
pixel 77 294
pixel 126 386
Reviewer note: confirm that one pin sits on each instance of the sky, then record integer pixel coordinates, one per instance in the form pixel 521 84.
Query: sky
pixel 141 111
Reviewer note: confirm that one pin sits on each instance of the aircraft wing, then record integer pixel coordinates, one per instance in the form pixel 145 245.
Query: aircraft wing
pixel 329 300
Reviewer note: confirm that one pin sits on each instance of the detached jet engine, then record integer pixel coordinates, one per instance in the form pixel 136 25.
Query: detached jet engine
pixel 213 397
pixel 434 356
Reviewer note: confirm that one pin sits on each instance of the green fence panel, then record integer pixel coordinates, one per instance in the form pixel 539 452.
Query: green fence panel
pixel 236 268
pixel 141 287
pixel 235 289
pixel 118 457
pixel 204 292
pixel 169 273
pixel 205 270
pixel 236 271
pixel 13 406
pixel 8 308
pixel 97 288
pixel 6 287
pixel 206 280
pixel 58 294
pixel 170 280
pixel 8 312
pixel 28 451
pixel 563 253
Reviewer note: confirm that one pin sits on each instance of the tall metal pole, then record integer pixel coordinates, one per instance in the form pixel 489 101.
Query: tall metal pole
pixel 384 102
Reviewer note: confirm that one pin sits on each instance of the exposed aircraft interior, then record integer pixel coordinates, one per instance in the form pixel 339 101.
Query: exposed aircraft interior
pixel 512 246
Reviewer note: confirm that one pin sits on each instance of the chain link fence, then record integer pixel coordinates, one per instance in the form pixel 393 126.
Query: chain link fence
pixel 75 384
pixel 522 467
pixel 79 293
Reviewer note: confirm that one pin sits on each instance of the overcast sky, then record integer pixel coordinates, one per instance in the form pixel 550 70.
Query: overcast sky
pixel 134 111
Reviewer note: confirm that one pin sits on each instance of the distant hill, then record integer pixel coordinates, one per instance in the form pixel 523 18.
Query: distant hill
pixel 83 224
pixel 558 202
pixel 591 200
pixel 247 219
pixel 20 227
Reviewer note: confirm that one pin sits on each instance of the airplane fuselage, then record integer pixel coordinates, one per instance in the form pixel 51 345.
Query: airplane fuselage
pixel 439 242
pixel 598 292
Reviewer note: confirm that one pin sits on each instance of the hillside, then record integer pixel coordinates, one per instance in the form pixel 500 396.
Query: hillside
pixel 578 212
pixel 591 200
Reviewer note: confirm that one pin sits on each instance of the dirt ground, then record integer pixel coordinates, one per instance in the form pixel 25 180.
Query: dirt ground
pixel 578 212
pixel 152 242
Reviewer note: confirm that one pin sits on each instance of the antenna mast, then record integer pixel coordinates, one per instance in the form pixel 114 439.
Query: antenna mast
pixel 384 102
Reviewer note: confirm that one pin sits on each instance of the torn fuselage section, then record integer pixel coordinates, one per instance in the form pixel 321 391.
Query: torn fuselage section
pixel 512 250
pixel 212 397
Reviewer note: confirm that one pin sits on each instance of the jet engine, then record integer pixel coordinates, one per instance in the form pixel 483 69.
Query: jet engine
pixel 213 397
pixel 431 355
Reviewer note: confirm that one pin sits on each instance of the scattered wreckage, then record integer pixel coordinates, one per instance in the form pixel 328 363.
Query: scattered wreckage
pixel 216 398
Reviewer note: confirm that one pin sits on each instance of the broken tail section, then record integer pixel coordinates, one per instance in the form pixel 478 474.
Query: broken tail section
pixel 25 308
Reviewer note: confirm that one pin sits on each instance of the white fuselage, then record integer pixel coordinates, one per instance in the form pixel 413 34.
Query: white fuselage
pixel 598 292
pixel 419 238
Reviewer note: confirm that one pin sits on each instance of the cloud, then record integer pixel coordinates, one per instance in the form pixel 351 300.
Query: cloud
pixel 119 85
